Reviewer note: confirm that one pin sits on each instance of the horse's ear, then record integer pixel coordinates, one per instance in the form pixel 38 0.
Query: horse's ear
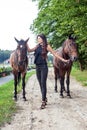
pixel 75 38
pixel 27 40
pixel 72 37
pixel 16 40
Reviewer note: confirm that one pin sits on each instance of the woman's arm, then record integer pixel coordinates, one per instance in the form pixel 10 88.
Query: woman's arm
pixel 31 49
pixel 49 48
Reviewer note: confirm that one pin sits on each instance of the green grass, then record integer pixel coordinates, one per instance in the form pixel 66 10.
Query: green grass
pixel 7 104
pixel 80 76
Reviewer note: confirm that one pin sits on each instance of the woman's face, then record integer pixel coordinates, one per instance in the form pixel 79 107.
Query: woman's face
pixel 39 39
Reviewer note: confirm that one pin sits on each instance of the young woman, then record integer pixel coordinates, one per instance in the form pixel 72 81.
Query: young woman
pixel 41 64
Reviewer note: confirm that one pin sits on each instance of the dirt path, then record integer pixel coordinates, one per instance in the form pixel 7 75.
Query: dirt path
pixel 60 114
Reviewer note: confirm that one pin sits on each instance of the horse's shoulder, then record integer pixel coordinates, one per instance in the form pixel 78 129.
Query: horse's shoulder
pixel 13 57
pixel 12 54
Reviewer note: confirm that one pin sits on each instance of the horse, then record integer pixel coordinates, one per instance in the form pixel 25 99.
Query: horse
pixel 19 63
pixel 68 51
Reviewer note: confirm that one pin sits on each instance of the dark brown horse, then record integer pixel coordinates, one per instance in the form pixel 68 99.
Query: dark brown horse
pixel 67 51
pixel 19 63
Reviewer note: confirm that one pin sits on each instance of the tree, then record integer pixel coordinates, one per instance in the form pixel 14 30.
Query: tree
pixel 4 54
pixel 59 18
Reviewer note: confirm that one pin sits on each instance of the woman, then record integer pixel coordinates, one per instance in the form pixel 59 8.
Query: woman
pixel 41 64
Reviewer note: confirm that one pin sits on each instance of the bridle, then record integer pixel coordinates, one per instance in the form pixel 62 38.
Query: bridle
pixel 68 55
pixel 24 57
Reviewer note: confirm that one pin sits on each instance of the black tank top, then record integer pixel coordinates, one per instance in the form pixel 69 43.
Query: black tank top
pixel 39 60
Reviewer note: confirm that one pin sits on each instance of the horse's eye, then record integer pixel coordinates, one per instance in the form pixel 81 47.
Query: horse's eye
pixel 71 44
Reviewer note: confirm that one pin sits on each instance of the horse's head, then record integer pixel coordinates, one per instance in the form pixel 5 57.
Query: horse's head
pixel 21 50
pixel 70 49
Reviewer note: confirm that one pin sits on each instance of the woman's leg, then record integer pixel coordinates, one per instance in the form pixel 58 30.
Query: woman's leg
pixel 38 74
pixel 44 73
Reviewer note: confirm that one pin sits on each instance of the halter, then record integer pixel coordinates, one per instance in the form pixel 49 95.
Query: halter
pixel 68 55
pixel 23 61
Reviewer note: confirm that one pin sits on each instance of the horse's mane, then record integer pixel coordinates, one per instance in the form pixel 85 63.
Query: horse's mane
pixel 59 49
pixel 65 42
pixel 62 46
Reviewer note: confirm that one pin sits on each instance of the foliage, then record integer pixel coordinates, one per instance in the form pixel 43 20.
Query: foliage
pixel 59 18
pixel 4 71
pixel 4 54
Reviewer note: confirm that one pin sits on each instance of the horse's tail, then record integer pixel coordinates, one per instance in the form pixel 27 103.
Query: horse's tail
pixel 19 77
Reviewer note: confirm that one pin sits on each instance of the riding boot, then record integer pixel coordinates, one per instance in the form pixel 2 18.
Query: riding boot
pixel 45 101
pixel 43 105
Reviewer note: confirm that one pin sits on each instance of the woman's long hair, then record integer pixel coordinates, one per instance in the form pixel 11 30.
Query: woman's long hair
pixel 44 46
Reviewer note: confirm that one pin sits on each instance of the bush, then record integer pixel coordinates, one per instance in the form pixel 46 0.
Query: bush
pixel 4 71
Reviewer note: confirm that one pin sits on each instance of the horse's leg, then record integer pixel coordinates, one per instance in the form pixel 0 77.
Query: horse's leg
pixel 23 86
pixel 15 86
pixel 19 78
pixel 68 82
pixel 55 73
pixel 61 86
pixel 64 85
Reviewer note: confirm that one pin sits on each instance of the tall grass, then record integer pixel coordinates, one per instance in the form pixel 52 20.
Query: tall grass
pixel 80 76
pixel 7 104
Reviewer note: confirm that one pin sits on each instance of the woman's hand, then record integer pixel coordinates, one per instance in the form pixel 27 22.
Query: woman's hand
pixel 66 61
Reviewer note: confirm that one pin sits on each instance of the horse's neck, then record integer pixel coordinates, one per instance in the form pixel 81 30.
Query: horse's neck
pixel 61 52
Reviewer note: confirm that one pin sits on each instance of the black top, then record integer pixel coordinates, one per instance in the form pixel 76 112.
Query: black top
pixel 39 60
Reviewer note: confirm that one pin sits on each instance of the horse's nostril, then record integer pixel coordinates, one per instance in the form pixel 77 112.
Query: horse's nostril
pixel 75 58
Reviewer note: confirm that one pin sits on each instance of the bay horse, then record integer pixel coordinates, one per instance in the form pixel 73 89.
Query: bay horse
pixel 19 63
pixel 69 52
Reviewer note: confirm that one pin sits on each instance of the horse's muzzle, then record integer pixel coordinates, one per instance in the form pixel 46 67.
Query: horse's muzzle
pixel 73 59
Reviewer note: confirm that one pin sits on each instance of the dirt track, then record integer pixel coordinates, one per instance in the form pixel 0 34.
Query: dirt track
pixel 59 114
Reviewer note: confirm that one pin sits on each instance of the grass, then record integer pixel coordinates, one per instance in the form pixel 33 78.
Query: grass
pixel 7 104
pixel 80 76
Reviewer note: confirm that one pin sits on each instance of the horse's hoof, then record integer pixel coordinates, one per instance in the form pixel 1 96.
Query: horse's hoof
pixel 15 98
pixel 69 96
pixel 61 96
pixel 24 99
pixel 65 91
pixel 56 91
